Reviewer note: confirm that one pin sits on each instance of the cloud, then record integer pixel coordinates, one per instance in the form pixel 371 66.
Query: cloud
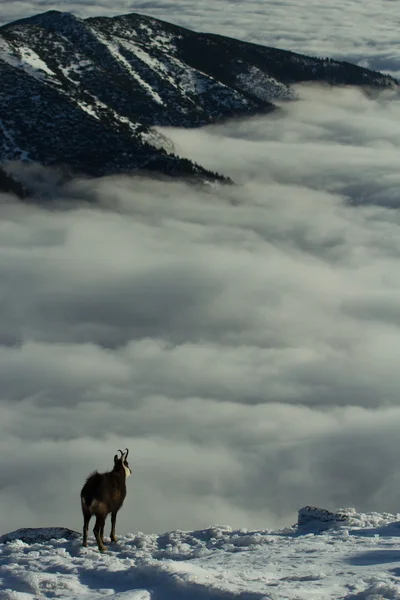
pixel 361 32
pixel 241 340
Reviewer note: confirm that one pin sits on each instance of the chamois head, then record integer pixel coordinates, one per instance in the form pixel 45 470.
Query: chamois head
pixel 121 463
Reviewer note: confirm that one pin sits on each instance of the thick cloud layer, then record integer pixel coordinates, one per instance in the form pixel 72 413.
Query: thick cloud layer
pixel 363 32
pixel 241 340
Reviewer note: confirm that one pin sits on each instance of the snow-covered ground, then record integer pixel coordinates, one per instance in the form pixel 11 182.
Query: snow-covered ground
pixel 348 556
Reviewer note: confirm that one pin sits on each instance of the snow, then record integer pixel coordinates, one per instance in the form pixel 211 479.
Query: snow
pixel 30 57
pixel 351 556
pixel 98 107
pixel 148 60
pixel 75 67
pixel 263 86
pixel 114 50
pixel 191 81
pixel 157 140
pixel 142 55
pixel 24 58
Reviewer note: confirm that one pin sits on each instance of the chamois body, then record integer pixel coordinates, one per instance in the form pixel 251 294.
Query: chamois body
pixel 102 494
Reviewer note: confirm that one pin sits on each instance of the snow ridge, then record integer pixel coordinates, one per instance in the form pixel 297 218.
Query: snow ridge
pixel 356 561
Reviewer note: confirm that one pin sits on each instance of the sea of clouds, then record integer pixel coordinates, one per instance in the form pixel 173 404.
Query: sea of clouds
pixel 242 340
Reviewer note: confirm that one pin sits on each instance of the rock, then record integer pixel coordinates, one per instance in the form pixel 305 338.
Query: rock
pixel 33 535
pixel 316 519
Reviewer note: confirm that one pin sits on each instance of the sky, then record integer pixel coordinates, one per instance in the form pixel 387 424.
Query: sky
pixel 363 32
pixel 242 341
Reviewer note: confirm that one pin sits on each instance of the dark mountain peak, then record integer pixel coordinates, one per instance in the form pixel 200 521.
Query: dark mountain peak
pixel 51 19
pixel 136 22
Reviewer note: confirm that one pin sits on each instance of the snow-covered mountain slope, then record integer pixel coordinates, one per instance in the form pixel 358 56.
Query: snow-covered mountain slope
pixel 351 557
pixel 85 93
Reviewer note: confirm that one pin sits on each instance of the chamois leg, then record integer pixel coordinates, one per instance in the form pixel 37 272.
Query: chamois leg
pixel 99 526
pixel 86 519
pixel 102 532
pixel 113 521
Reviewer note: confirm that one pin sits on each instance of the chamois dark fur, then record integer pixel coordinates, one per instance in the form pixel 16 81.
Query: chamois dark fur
pixel 102 494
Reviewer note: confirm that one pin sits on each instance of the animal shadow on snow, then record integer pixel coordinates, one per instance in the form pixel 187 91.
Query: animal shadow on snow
pixel 374 557
pixel 391 530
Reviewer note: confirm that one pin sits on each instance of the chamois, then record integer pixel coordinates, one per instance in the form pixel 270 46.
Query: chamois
pixel 104 493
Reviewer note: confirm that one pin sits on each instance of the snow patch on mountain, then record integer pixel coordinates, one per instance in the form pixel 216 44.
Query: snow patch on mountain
pixel 24 58
pixel 31 59
pixel 151 61
pixel 115 51
pixel 157 140
pixel 264 87
pixel 69 71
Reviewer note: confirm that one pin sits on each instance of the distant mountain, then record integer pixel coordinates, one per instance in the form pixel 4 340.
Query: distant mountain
pixel 85 94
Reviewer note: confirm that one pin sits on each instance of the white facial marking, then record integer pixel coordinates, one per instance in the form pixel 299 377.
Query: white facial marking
pixel 127 471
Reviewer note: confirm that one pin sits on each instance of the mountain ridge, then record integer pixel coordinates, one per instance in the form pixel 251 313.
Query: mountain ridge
pixel 86 94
